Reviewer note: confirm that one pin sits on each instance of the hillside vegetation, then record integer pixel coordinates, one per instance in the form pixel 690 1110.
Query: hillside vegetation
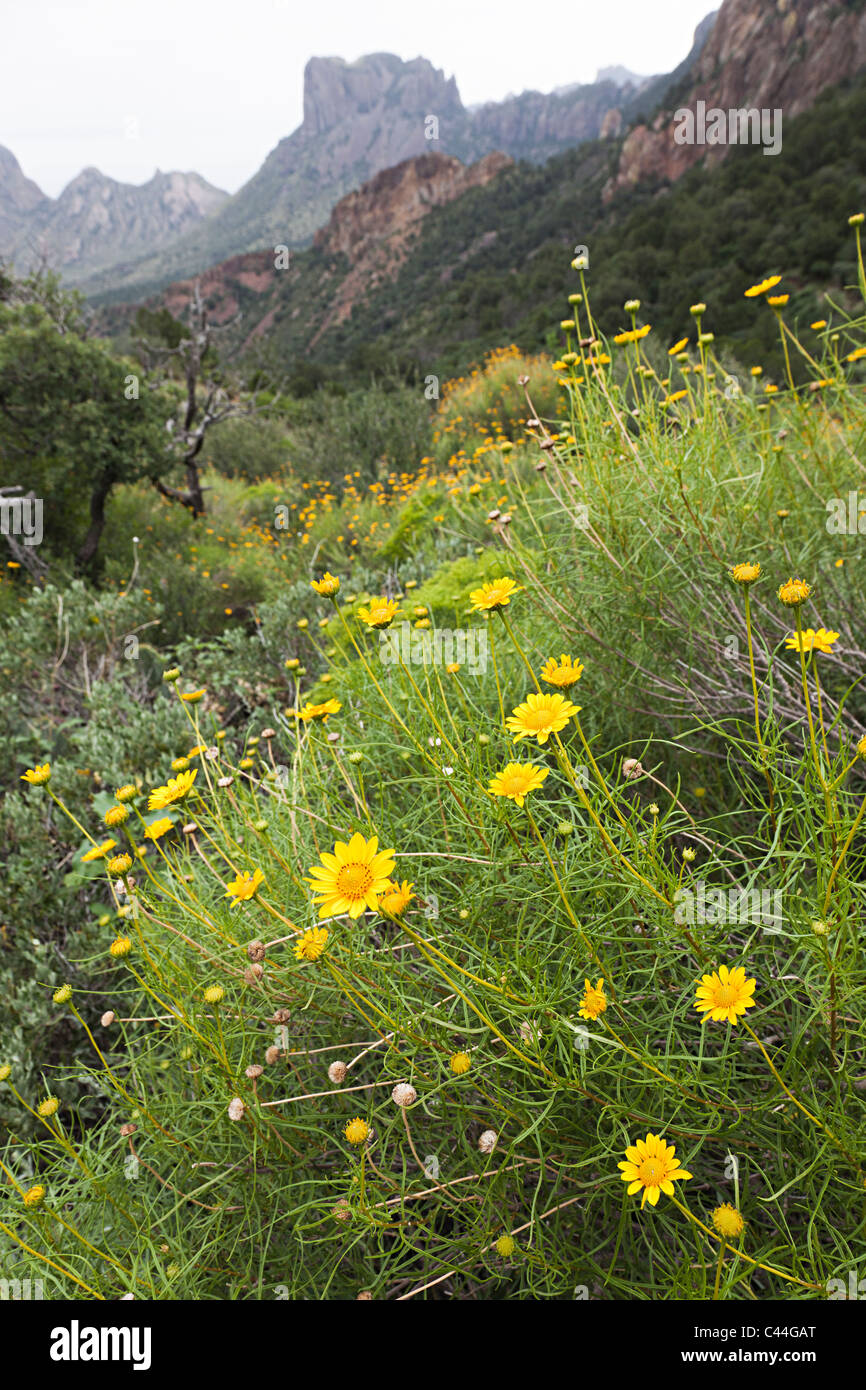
pixel 455 888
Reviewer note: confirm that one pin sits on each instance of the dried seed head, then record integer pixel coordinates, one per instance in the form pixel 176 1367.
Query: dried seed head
pixel 364 1296
pixel 342 1211
pixel 487 1141
pixel 253 974
pixel 254 1071
pixel 272 1054
pixel 107 1019
pixel 631 769
pixel 127 1129
pixel 256 950
pixel 337 1072
pixel 269 733
pixel 236 1108
pixel 281 1016
pixel 403 1094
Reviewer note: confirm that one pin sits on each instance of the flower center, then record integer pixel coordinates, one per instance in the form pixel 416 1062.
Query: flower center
pixel 539 719
pixel 354 880
pixel 725 996
pixel 651 1172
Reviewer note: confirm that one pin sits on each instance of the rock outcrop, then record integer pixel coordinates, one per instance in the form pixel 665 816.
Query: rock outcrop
pixel 763 54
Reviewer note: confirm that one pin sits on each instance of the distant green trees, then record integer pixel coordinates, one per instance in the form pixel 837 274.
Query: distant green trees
pixel 75 420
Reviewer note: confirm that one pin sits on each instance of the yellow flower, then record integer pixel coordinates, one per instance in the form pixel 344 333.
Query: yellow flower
pixel 356 1130
pixel 818 325
pixel 34 1195
pixel 98 851
pixel 37 776
pixel 516 780
pixel 761 288
pixel 310 712
pixel 594 1000
pixel 778 301
pixel 381 612
pixel 351 879
pixel 794 592
pixel 812 641
pixel 727 1220
pixel 452 668
pixel 491 597
pixel 127 793
pixel 506 1246
pixel 633 335
pixel 861 747
pixel 327 586
pixel 159 828
pixel 47 1108
pixel 194 752
pixel 651 1164
pixel 244 886
pixel 120 947
pixel 192 697
pixel 746 573
pixel 175 790
pixel 396 898
pixel 725 994
pixel 312 943
pixel 678 347
pixel 540 716
pixel 214 994
pixel 460 1063
pixel 116 815
pixel 120 863
pixel 63 994
pixel 178 765
pixel 563 673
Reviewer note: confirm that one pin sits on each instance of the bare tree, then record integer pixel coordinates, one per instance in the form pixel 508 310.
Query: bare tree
pixel 206 403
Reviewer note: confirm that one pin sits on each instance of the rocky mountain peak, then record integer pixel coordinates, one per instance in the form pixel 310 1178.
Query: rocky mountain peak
pixel 335 89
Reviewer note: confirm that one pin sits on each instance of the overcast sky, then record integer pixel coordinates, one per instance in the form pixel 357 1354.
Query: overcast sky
pixel 212 85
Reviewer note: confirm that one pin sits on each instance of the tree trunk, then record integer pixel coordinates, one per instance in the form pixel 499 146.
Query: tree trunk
pixel 98 498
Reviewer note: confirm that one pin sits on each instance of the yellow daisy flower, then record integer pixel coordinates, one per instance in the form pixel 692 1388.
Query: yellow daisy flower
pixel 352 878
pixel 725 994
pixel 327 586
pixel 356 1130
pixel 460 1063
pixel 396 898
pixel 381 612
pixel 594 1000
pixel 192 697
pixel 746 573
pixel 312 943
pixel 159 828
pixel 120 947
pixel 728 1221
pixel 116 815
pixel 794 592
pixel 37 776
pixel 126 793
pixel 311 712
pixel 763 285
pixel 812 640
pixel 540 716
pixel 244 886
pixel 175 790
pixel 516 780
pixel 651 1164
pixel 491 597
pixel 563 673
pixel 120 863
pixel 99 851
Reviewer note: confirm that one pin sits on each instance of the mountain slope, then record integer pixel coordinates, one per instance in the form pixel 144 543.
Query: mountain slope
pixel 366 116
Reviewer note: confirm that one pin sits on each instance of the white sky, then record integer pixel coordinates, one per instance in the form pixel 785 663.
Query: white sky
pixel 212 85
